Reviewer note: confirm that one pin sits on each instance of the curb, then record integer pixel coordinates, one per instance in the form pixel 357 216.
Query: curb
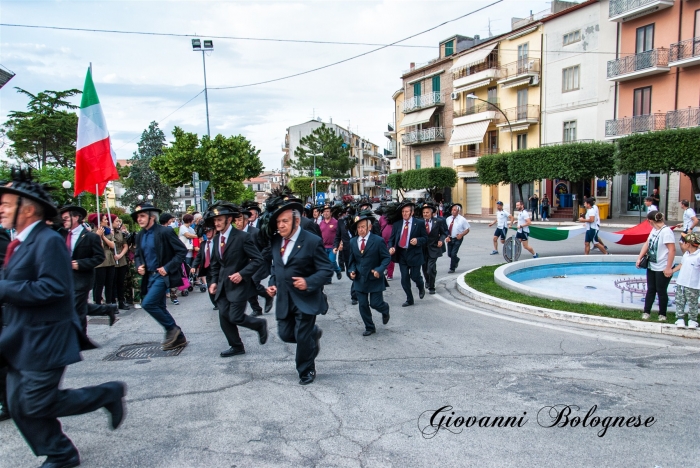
pixel 593 320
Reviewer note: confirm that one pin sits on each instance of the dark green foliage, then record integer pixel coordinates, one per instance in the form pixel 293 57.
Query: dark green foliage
pixel 335 162
pixel 302 186
pixel 493 169
pixel 432 179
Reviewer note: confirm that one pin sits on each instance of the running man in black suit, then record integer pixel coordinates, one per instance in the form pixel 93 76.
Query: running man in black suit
pixel 406 243
pixel 436 229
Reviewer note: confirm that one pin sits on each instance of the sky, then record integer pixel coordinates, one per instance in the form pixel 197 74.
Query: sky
pixel 142 78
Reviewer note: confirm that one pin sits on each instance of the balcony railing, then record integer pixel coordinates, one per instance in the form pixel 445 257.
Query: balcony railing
pixel 480 107
pixel 490 63
pixel 683 118
pixel 684 50
pixel 633 63
pixel 620 7
pixel 529 113
pixel 461 154
pixel 637 124
pixel 423 101
pixel 423 136
pixel 559 143
pixel 524 66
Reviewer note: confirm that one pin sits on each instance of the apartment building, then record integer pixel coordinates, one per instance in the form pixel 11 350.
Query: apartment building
pixel 656 73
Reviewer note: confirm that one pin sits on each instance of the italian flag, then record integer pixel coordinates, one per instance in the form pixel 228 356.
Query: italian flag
pixel 632 236
pixel 95 160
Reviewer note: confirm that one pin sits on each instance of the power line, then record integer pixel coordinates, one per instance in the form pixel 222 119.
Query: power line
pixel 362 54
pixel 235 38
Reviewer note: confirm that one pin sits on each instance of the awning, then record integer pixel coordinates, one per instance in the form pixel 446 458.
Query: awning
pixel 476 85
pixel 517 128
pixel 469 134
pixel 473 58
pixel 514 84
pixel 416 118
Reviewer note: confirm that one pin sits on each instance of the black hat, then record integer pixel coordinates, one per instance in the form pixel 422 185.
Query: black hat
pixel 78 209
pixel 428 205
pixel 246 212
pixel 251 205
pixel 23 186
pixel 142 208
pixel 222 208
pixel 165 217
pixel 279 200
pixel 361 216
pixel 364 202
pixel 404 204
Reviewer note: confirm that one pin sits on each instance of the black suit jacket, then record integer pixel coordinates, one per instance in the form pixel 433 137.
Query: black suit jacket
pixel 41 329
pixel 413 255
pixel 310 226
pixel 264 271
pixel 200 259
pixel 88 252
pixel 170 252
pixel 307 260
pixel 438 233
pixel 375 257
pixel 240 256
pixel 342 233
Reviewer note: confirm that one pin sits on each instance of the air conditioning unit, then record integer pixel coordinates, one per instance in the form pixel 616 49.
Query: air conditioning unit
pixel 530 65
pixel 535 80
pixel 454 95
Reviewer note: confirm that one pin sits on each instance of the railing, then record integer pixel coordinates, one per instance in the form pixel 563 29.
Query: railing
pixel 516 23
pixel 643 60
pixel 516 114
pixel 423 136
pixel 619 7
pixel 480 107
pixel 683 118
pixel 558 143
pixel 461 154
pixel 684 49
pixel 522 66
pixel 491 62
pixel 416 66
pixel 637 124
pixel 424 100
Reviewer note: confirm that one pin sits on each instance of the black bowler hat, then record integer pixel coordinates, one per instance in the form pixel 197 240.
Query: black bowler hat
pixel 428 205
pixel 142 208
pixel 251 205
pixel 24 186
pixel 73 208
pixel 222 209
pixel 362 216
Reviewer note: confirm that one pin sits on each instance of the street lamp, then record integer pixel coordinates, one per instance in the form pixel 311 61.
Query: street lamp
pixel 510 127
pixel 149 197
pixel 207 45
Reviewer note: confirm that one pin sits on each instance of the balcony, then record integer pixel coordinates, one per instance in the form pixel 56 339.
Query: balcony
pixel 559 143
pixel 683 118
pixel 624 10
pixel 477 113
pixel 470 157
pixel 520 118
pixel 423 101
pixel 523 72
pixel 476 76
pixel 369 168
pixel 651 62
pixel 684 53
pixel 642 123
pixel 427 135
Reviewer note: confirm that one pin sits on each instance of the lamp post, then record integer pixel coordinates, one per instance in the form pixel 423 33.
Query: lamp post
pixel 510 127
pixel 207 45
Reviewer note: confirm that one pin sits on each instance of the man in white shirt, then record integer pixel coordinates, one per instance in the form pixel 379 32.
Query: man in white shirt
pixel 690 219
pixel 523 225
pixel 503 219
pixel 457 228
pixel 592 221
pixel 649 203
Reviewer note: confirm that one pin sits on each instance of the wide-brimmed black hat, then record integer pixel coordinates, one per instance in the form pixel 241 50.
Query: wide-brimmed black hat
pixel 285 206
pixel 143 207
pixel 364 202
pixel 246 212
pixel 404 204
pixel 23 186
pixel 222 209
pixel 361 216
pixel 251 205
pixel 428 205
pixel 77 209
pixel 280 199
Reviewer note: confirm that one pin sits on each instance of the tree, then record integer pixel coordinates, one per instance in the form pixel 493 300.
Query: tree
pixel 140 178
pixel 224 161
pixel 46 132
pixel 432 179
pixel 667 150
pixel 395 181
pixel 492 169
pixel 335 162
pixel 303 186
pixel 523 168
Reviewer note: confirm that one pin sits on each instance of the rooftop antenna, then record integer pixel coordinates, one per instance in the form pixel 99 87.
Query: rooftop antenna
pixel 490 33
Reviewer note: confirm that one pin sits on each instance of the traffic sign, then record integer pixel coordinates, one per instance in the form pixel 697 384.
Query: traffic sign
pixel 318 172
pixel 320 197
pixel 641 178
pixel 203 185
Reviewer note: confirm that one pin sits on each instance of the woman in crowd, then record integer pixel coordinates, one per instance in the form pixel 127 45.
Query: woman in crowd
pixel 104 273
pixel 659 250
pixel 121 263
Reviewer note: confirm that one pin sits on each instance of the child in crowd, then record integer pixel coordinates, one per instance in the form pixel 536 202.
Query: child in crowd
pixel 688 282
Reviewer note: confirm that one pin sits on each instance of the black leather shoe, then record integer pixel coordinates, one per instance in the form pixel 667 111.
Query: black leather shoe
pixel 318 343
pixel 431 291
pixel 4 414
pixel 256 313
pixel 421 293
pixel 262 334
pixel 123 306
pixel 368 332
pixel 354 302
pixel 338 275
pixel 111 311
pixel 232 352
pixel 406 304
pixel 216 307
pixel 450 271
pixel 385 318
pixel 68 463
pixel 268 304
pixel 308 378
pixel 117 409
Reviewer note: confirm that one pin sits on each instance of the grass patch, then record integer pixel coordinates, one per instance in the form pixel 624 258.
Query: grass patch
pixel 482 280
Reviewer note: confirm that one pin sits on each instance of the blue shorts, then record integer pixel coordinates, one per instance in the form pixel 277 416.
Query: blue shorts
pixel 592 236
pixel 500 232
pixel 523 236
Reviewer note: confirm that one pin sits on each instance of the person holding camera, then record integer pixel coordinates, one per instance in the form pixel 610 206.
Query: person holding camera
pixel 657 256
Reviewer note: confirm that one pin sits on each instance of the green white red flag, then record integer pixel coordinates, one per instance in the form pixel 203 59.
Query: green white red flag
pixel 95 160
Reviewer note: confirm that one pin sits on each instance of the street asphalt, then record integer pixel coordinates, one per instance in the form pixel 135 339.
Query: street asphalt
pixel 372 402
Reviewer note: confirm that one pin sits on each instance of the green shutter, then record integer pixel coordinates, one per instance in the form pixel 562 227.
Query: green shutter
pixel 436 156
pixel 418 161
pixel 436 84
pixel 416 89
pixel 449 48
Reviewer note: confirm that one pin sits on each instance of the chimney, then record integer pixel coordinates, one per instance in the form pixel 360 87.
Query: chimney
pixel 413 65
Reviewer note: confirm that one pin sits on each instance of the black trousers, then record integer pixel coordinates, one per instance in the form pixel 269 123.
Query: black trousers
pixel 231 316
pixel 3 387
pixel 657 283
pixel 301 329
pixel 430 272
pixel 452 249
pixel 253 301
pixel 408 274
pixel 535 213
pixel 346 257
pixel 36 403
pixel 374 300
pixel 119 285
pixel 104 279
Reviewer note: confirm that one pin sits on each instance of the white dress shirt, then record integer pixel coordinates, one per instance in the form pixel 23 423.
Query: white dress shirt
pixel 290 245
pixel 359 241
pixel 74 236
pixel 460 225
pixel 406 226
pixel 226 234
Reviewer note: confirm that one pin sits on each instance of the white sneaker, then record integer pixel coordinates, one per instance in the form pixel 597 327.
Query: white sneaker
pixel 680 323
pixel 692 324
pixel 645 316
pixel 662 318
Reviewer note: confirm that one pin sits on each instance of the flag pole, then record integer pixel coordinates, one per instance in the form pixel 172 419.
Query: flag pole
pixel 97 200
pixel 109 217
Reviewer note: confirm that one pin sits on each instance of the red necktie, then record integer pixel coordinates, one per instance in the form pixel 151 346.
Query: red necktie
pixel 452 224
pixel 10 250
pixel 427 226
pixel 403 243
pixel 362 246
pixel 284 247
pixel 207 256
pixel 223 246
pixel 69 244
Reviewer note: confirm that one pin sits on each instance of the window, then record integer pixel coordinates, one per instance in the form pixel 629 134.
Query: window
pixel 522 141
pixel 642 101
pixel 697 23
pixel 436 84
pixel 523 50
pixel 416 89
pixel 569 131
pixel 521 111
pixel 417 160
pixel 491 95
pixel 572 37
pixel 570 78
pixel 645 38
pixel 449 48
pixel 436 159
pixel 188 203
pixel 188 192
